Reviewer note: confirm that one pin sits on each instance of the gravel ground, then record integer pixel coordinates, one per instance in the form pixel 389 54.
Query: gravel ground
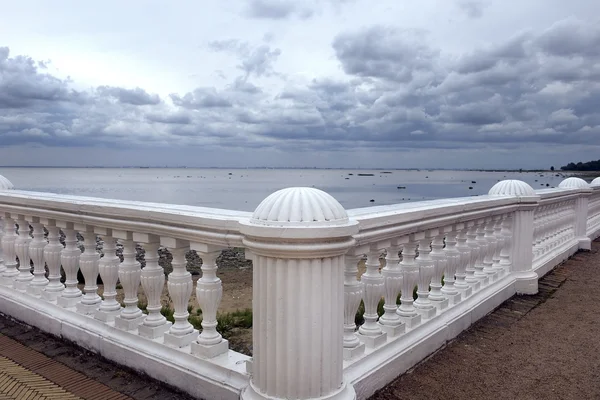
pixel 533 347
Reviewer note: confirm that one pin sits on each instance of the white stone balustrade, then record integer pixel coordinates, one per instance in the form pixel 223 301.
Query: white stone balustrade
pixel 305 250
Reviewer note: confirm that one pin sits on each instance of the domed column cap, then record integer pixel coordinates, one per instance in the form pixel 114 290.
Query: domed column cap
pixel 5 184
pixel 596 182
pixel 512 187
pixel 573 183
pixel 300 213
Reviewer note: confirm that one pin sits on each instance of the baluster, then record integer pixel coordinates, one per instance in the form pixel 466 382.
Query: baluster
pixel 108 267
pixel 440 262
pixel 370 332
pixel 410 275
pixel 36 253
pixel 499 243
pixel 180 286
pixel 22 249
pixel 352 296
pixel 536 231
pixel 390 322
pixel 153 281
pixel 449 289
pixel 464 251
pixel 69 257
pixel 8 249
pixel 52 252
pixel 505 260
pixel 130 277
pixel 209 291
pixel 2 265
pixel 482 251
pixel 425 263
pixel 471 279
pixel 488 259
pixel 89 263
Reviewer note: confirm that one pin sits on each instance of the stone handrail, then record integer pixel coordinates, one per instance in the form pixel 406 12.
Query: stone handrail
pixel 464 256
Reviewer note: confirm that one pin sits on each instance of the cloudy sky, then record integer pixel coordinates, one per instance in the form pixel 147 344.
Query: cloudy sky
pixel 326 83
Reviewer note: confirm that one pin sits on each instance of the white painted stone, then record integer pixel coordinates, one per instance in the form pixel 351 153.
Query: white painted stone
pixel 352 297
pixel 69 258
pixel 8 250
pixel 22 250
pixel 52 252
pixel 108 268
pixel 130 277
pixel 153 282
pixel 36 253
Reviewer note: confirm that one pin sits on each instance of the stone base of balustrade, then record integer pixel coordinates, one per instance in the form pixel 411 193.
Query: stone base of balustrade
pixel 50 296
pixel 466 292
pixel 181 341
pixel 35 290
pixel 128 324
pixel 393 330
pixel 454 298
pixel 492 277
pixel 440 304
pixel 210 351
pixel 426 313
pixel 350 353
pixel 68 302
pixel 107 316
pixel 484 279
pixel 154 332
pixel 410 322
pixel 474 286
pixel 372 342
pixel 87 309
pixel 585 243
pixel 21 285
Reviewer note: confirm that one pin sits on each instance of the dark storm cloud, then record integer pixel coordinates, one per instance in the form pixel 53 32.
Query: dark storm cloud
pixel 399 93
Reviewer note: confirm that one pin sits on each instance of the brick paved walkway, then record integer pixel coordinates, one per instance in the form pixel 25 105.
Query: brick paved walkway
pixel 545 346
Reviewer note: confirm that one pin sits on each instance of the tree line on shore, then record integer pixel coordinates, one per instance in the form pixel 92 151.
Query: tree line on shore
pixel 582 166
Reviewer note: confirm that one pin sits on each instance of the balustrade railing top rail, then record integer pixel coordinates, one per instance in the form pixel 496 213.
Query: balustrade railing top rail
pixel 463 256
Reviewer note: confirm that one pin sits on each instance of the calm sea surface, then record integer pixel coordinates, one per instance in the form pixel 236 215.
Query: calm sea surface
pixel 244 189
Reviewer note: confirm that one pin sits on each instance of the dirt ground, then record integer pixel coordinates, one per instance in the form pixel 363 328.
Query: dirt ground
pixel 545 346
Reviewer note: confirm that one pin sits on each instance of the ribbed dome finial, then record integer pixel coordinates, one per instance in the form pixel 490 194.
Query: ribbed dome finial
pixel 5 184
pixel 573 183
pixel 511 187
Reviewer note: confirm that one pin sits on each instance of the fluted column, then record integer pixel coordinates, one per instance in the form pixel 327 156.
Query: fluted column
pixel 52 257
pixel 449 289
pixel 298 239
pixel 581 216
pixel 8 249
pixel 180 286
pixel 108 267
pixel 36 253
pixel 352 296
pixel 130 277
pixel 521 254
pixel 22 249
pixel 410 276
pixel 69 258
pixel 373 289
pixel 440 262
pixel 392 275
pixel 153 281
pixel 426 267
pixel 209 291
pixel 463 260
pixel 89 265
pixel 488 259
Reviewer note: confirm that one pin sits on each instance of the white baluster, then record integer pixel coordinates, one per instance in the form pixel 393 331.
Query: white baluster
pixel 52 251
pixel 426 267
pixel 89 265
pixel 130 277
pixel 410 275
pixel 180 285
pixel 352 297
pixel 463 260
pixel 390 321
pixel 505 261
pixel 482 247
pixel 440 262
pixel 209 291
pixel 373 289
pixel 449 289
pixel 499 243
pixel 488 259
pixel 2 265
pixel 153 281
pixel 36 253
pixel 471 279
pixel 22 249
pixel 8 250
pixel 69 258
pixel 108 267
